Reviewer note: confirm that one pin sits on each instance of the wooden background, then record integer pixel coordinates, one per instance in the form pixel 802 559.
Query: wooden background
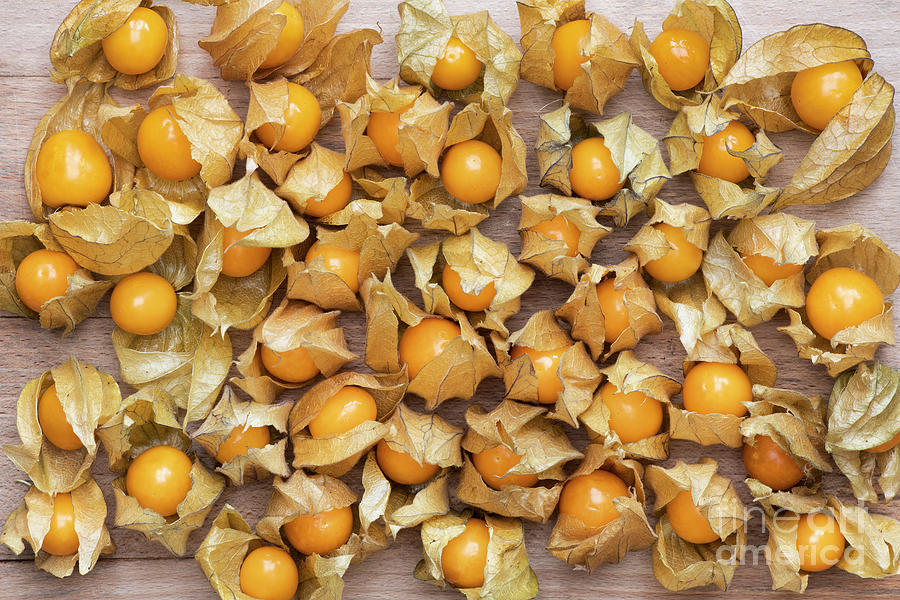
pixel 141 569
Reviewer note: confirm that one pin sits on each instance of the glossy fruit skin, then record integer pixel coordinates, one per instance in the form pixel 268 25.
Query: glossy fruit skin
pixel 294 366
pixel 457 67
pixel 163 147
pixel 546 367
pixel 594 176
pixel 717 388
pixel 240 439
pixel 240 261
pixel 820 92
pixel 302 119
pixel 289 39
pixel 765 461
pixel 349 407
pixel 687 520
pixel 888 445
pixel 143 303
pixel 139 44
pixel 53 421
pixel 715 161
pixel 612 303
pixel 682 56
pixel 567 57
pixel 464 557
pixel 401 468
pixel 493 465
pixel 589 498
pixel 384 131
pixel 819 542
pixel 561 229
pixel 335 200
pixel 343 263
pixel 72 170
pixel 61 539
pixel 269 573
pixel 321 533
pixel 43 275
pixel 768 270
pixel 474 302
pixel 840 298
pixel 470 171
pixel 682 260
pixel 421 343
pixel 633 416
pixel 159 479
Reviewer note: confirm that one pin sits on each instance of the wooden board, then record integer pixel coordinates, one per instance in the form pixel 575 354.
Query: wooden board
pixel 145 570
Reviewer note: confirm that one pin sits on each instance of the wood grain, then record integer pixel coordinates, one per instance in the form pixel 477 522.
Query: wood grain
pixel 143 570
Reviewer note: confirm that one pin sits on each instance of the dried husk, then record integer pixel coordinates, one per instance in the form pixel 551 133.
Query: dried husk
pixel 30 521
pixel 579 374
pixel 230 413
pixel 782 237
pixel 583 312
pixel 629 374
pixel 579 545
pixel 76 50
pixel 855 247
pixel 425 29
pixel 692 306
pixel 89 398
pixel 713 20
pixel 309 178
pixel 430 202
pixel 507 574
pixel 454 373
pixel 679 564
pixel 609 57
pixel 223 550
pixel 292 325
pixel 635 153
pixel 549 255
pixel 337 454
pixel 385 199
pixel 479 261
pixel 874 539
pixel 650 244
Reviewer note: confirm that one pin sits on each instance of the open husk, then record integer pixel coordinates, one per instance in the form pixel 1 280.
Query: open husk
pixel 650 244
pixel 692 306
pixel 223 550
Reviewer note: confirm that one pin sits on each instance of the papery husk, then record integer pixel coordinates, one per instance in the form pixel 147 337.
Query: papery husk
pixel 89 398
pixel 507 574
pixel 855 247
pixel 309 178
pixel 76 50
pixel 380 249
pixel 579 545
pixel 692 306
pixel 454 373
pixel 678 564
pixel 635 153
pixel 629 374
pixel 231 413
pixel 549 255
pixel 30 521
pixel 874 539
pixel 223 551
pixel 713 20
pixel 387 199
pixel 178 263
pixel 583 312
pixel 425 29
pixel 609 57
pixel 479 261
pixel 337 454
pixel 650 244
pixel 782 237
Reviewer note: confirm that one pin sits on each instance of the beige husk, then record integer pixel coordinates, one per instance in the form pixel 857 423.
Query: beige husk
pixel 385 200
pixel 692 306
pixel 223 550
pixel 650 244
pixel 310 178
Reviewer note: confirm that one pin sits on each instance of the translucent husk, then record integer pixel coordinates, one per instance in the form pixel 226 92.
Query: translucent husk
pixel 223 550
pixel 479 261
pixel 609 58
pixel 692 306
pixel 578 373
pixel 454 373
pixel 88 398
pixel 629 374
pixel 855 247
pixel 292 325
pixel 30 521
pixel 385 199
pixel 335 455
pixel 430 202
pixel 507 574
pixel 549 255
pixel 782 237
pixel 425 29
pixel 76 49
pixel 650 244
pixel 635 153
pixel 713 20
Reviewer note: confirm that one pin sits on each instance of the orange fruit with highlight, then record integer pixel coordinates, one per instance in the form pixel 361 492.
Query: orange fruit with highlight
pixel 457 67
pixel 61 538
pixel 320 533
pixel 143 303
pixel 422 343
pixel 768 270
pixel 139 44
pixel 289 39
pixel 715 160
pixel 269 573
pixel 340 261
pixel 546 368
pixel 402 468
pixel 687 520
pixel 160 479
pixel 470 301
pixel 240 440
pixel 42 276
pixel 682 57
pixel 164 148
pixel 72 170
pixel 594 175
pixel 470 171
pixel 347 408
pixel 819 542
pixel 53 421
pixel 612 303
pixel 302 119
pixel 766 462
pixel 494 464
pixel 681 261
pixel 589 498
pixel 567 42
pixel 240 261
pixel 633 416
pixel 336 199
pixel 717 388
pixel 464 557
pixel 294 366
pixel 820 92
pixel 384 131
pixel 840 298
pixel 561 229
